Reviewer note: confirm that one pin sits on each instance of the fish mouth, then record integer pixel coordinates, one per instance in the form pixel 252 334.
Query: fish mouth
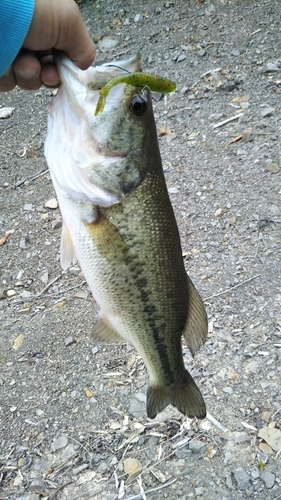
pixel 95 77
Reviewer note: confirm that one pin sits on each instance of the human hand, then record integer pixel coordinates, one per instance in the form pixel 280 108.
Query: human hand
pixel 55 24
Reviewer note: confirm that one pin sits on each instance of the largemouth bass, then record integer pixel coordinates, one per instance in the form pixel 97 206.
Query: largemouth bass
pixel 119 223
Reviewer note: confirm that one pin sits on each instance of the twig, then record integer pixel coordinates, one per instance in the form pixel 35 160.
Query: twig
pixel 54 494
pixel 232 288
pixel 253 317
pixel 48 286
pixel 135 497
pixel 80 444
pixel 227 120
pixel 67 289
pixel 216 422
pixel 31 178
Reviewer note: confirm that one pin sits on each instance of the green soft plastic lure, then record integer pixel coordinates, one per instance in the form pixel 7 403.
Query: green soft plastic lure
pixel 153 82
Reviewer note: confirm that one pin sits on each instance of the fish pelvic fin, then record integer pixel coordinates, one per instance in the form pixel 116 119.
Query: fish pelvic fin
pixel 196 326
pixel 67 252
pixel 186 397
pixel 104 332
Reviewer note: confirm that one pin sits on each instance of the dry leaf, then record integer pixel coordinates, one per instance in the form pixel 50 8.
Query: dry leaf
pixel 4 239
pixel 132 466
pixel 6 112
pixel 163 131
pixel 241 98
pixel 89 392
pixel 211 451
pixel 272 436
pixel 158 474
pixel 246 135
pixel 17 342
pixel 273 168
pixel 59 305
pixel 265 448
pixel 235 139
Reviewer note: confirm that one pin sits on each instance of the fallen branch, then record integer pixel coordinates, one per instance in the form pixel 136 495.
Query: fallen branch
pixel 30 178
pixel 232 288
pixel 227 120
pixel 215 422
pixel 54 494
pixel 47 286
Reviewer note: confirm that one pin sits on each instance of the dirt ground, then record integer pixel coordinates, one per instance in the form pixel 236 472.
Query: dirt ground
pixel 72 412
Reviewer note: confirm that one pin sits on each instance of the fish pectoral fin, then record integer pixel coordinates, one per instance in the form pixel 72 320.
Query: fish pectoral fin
pixel 186 397
pixel 196 326
pixel 104 332
pixel 67 252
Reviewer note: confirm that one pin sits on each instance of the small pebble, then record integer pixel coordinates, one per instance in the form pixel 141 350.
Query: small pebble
pixel 52 203
pixel 268 478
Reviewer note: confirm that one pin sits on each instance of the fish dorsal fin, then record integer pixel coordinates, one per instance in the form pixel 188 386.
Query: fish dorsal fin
pixel 196 326
pixel 67 252
pixel 104 332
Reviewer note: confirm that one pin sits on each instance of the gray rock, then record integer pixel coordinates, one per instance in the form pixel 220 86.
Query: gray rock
pixel 201 52
pixel 199 491
pixel 59 443
pixel 137 409
pixel 268 478
pixel 39 487
pixel 228 390
pixel 137 18
pixel 242 437
pixel 230 85
pixel 241 152
pixel 271 67
pixel 102 468
pixel 242 478
pixel 267 112
pixel 153 441
pixel 108 43
pixel 196 446
pixel 69 452
pixel 227 458
pixel 228 482
pixel 183 452
pixel 254 471
pixel 69 340
pixel 28 207
pixel 22 243
pixel 182 57
pixel 235 52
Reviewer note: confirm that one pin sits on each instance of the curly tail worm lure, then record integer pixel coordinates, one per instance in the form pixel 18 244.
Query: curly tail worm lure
pixel 153 82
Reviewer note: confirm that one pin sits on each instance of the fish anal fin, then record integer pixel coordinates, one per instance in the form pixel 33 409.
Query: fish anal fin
pixel 196 326
pixel 104 332
pixel 67 252
pixel 186 397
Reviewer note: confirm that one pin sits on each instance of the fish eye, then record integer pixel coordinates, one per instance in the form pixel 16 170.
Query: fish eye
pixel 137 106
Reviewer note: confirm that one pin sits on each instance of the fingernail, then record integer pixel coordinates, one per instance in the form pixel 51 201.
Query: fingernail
pixel 27 73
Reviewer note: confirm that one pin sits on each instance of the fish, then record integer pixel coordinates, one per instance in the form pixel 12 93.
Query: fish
pixel 118 222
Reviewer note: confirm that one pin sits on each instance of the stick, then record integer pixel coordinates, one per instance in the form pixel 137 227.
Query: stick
pixel 255 315
pixel 216 422
pixel 31 178
pixel 232 288
pixel 220 124
pixel 67 289
pixel 48 286
pixel 135 497
pixel 54 494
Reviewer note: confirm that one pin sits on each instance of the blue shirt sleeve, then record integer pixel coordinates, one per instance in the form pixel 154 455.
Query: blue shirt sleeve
pixel 15 19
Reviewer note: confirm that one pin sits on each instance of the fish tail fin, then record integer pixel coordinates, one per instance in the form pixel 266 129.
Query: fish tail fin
pixel 186 397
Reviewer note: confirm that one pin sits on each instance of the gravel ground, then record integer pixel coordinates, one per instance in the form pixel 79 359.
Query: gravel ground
pixel 72 413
